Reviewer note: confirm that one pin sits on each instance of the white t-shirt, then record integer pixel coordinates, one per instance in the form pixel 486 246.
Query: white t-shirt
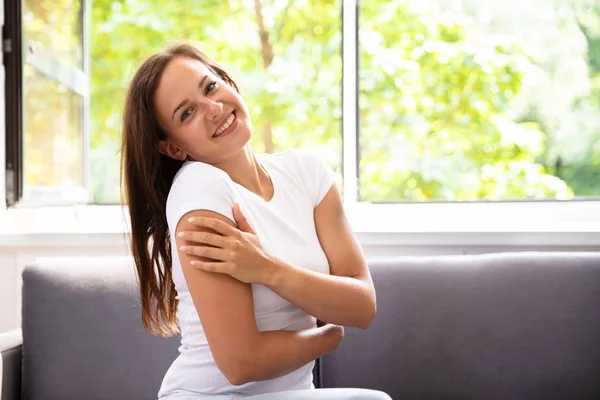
pixel 286 229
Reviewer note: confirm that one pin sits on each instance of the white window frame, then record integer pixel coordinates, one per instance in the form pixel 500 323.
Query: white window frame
pixel 515 223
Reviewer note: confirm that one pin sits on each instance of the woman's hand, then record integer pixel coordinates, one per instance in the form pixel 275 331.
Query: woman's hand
pixel 335 333
pixel 235 252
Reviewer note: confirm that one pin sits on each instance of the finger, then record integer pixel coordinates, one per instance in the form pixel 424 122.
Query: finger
pixel 215 224
pixel 204 251
pixel 241 220
pixel 203 237
pixel 218 267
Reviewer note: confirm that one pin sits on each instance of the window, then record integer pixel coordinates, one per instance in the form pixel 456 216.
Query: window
pixel 46 102
pixel 448 111
pixel 286 56
pixel 465 100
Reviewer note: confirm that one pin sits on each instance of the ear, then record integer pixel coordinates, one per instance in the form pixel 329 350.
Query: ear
pixel 171 150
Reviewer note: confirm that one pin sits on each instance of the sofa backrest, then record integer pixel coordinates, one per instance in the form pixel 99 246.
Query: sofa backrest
pixel 500 326
pixel 82 333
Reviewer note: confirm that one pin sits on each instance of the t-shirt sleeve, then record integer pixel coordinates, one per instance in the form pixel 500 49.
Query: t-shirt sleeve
pixel 318 175
pixel 200 187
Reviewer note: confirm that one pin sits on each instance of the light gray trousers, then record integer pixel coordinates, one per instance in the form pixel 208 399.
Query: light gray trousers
pixel 324 394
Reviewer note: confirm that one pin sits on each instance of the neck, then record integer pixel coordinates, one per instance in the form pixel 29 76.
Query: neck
pixel 245 170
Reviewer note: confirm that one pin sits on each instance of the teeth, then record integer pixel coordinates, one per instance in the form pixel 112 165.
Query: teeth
pixel 225 125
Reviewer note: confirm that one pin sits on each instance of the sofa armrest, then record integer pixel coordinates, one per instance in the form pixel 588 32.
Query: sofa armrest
pixel 11 344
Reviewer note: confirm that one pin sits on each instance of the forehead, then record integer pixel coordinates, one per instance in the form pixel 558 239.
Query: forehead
pixel 180 70
pixel 184 66
pixel 182 74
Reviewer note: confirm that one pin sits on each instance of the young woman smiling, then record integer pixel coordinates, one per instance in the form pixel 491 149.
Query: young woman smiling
pixel 244 254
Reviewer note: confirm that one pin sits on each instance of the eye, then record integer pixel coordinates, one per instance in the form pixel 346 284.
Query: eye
pixel 211 87
pixel 185 114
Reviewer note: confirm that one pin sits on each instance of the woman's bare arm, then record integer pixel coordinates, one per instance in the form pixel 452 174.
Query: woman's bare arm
pixel 226 311
pixel 347 296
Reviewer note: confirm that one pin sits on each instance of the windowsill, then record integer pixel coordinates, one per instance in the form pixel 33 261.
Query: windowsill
pixel 539 224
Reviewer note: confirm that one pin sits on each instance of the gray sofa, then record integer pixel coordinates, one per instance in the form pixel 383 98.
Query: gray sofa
pixel 498 326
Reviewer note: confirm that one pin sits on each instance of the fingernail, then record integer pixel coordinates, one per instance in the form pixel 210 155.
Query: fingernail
pixel 192 219
pixel 180 234
pixel 194 262
pixel 183 248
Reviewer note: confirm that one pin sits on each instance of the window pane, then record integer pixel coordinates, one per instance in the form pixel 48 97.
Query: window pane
pixel 291 81
pixel 57 26
pixel 479 99
pixel 53 148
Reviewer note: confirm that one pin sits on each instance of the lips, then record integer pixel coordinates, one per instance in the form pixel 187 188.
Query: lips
pixel 224 124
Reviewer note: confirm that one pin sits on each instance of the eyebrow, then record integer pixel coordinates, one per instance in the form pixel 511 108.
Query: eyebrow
pixel 183 103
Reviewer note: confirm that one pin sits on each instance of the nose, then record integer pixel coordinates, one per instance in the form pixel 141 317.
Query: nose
pixel 212 109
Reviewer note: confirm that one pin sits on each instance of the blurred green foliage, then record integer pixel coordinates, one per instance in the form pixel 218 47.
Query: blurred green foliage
pixel 435 106
pixel 437 113
pixel 291 81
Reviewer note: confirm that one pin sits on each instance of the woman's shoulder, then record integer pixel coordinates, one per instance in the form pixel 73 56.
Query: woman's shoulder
pixel 198 186
pixel 196 171
pixel 199 179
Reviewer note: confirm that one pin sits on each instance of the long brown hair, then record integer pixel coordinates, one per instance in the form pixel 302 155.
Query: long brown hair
pixel 146 178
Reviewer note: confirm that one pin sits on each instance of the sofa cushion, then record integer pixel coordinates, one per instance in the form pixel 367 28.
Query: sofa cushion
pixel 501 326
pixel 82 333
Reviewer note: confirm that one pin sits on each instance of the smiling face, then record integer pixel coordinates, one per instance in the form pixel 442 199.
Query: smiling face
pixel 205 118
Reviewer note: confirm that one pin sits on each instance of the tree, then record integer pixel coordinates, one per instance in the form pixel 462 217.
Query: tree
pixel 435 105
pixel 52 116
pixel 437 113
pixel 584 175
pixel 285 54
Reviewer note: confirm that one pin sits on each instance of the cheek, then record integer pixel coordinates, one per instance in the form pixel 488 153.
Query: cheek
pixel 193 134
pixel 243 104
pixel 197 129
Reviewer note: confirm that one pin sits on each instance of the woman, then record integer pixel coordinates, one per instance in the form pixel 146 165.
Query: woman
pixel 244 254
